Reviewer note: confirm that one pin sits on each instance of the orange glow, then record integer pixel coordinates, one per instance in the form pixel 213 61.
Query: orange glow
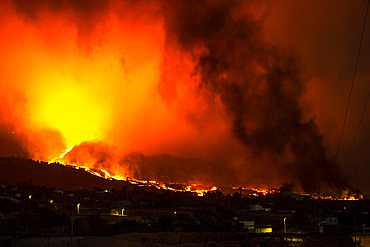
pixel 119 83
pixel 61 156
pixel 68 150
pixel 254 192
pixel 113 78
pixel 90 88
pixel 345 196
pixel 72 113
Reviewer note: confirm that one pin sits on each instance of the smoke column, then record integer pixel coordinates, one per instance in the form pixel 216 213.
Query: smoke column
pixel 126 82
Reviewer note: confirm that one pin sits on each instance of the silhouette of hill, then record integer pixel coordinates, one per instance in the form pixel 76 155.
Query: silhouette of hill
pixel 14 171
pixel 168 168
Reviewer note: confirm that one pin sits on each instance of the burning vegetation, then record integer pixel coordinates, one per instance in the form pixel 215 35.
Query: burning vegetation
pixel 126 88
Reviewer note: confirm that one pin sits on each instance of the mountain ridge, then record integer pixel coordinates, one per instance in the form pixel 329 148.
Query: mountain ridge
pixel 15 170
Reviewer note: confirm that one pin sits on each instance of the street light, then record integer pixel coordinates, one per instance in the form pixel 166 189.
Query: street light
pixel 78 208
pixel 123 210
pixel 284 225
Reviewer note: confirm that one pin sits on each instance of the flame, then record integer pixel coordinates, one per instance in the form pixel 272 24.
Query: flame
pixel 188 188
pixel 345 196
pixel 199 189
pixel 88 88
pixel 194 188
pixel 68 150
pixel 61 156
pixel 71 111
pixel 255 192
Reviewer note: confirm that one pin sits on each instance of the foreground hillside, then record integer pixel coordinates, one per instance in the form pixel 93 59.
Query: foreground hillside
pixel 14 171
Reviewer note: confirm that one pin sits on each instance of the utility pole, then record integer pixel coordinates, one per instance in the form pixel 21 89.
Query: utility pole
pixel 354 222
pixel 127 192
pixel 72 229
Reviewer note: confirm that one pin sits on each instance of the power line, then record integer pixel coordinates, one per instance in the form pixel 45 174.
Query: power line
pixel 353 78
pixel 358 127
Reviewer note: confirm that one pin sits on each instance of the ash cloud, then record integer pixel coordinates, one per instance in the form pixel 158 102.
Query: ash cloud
pixel 84 8
pixel 11 144
pixel 259 85
pixel 86 14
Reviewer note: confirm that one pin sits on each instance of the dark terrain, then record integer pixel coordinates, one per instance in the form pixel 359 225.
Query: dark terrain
pixel 14 171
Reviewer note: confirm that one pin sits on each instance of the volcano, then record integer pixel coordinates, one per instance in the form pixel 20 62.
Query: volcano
pixel 211 92
pixel 14 171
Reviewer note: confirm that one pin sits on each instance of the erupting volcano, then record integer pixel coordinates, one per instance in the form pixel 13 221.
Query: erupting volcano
pixel 173 91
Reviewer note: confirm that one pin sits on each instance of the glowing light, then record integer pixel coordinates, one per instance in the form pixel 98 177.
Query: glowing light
pixel 71 111
pixel 254 192
pixel 61 156
pixel 198 189
pixel 68 150
pixel 284 225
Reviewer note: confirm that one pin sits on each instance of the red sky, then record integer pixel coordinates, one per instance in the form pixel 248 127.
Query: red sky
pixel 326 35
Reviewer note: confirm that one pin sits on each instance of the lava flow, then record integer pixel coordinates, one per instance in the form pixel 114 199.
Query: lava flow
pixel 201 190
pixel 61 156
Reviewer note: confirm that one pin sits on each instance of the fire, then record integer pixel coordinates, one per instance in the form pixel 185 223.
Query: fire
pixel 60 158
pixel 107 175
pixel 90 88
pixel 187 188
pixel 69 110
pixel 255 192
pixel 345 196
pixel 330 197
pixel 199 189
pixel 194 188
pixel 68 150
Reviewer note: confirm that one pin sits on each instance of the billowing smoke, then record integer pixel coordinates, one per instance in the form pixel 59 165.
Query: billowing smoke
pixel 134 86
pixel 258 84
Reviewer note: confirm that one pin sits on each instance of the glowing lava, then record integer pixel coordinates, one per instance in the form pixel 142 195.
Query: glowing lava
pixel 59 159
pixel 69 149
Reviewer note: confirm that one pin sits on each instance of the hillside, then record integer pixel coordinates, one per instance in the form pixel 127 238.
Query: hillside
pixel 14 171
pixel 173 169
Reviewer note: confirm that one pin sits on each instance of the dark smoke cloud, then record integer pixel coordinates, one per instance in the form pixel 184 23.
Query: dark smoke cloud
pixel 326 35
pixel 16 141
pixel 259 85
pixel 11 144
pixel 85 8
pixel 86 14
